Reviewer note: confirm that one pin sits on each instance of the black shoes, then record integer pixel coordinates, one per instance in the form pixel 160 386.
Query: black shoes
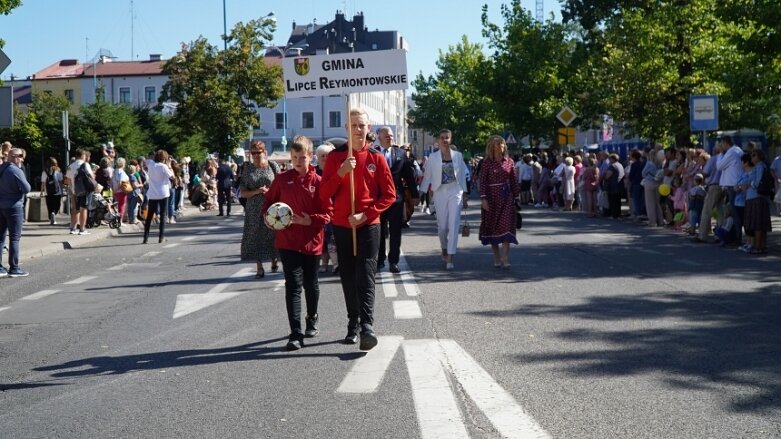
pixel 380 264
pixel 352 333
pixel 311 326
pixel 394 268
pixel 295 342
pixel 368 340
pixel 17 272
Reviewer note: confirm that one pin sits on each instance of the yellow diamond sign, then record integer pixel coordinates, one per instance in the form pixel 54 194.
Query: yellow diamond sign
pixel 566 116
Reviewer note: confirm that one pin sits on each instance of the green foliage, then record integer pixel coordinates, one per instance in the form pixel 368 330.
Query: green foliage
pixel 454 98
pixel 26 132
pixel 5 8
pixel 101 122
pixel 216 89
pixel 46 109
pixel 165 134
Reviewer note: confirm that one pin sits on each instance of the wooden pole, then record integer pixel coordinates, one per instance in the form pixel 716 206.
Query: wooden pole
pixel 352 174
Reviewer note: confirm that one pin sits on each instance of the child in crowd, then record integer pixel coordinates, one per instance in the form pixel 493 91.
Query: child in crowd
pixel 726 231
pixel 679 203
pixel 696 197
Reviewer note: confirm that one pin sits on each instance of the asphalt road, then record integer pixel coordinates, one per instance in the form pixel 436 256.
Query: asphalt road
pixel 602 329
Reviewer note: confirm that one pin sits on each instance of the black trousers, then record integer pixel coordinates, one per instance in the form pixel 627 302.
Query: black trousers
pixel 53 203
pixel 154 205
pixel 357 272
pixel 224 197
pixel 390 227
pixel 614 203
pixel 300 273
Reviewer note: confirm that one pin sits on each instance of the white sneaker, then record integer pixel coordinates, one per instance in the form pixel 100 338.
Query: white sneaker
pixel 74 232
pixel 84 232
pixel 427 211
pixel 449 266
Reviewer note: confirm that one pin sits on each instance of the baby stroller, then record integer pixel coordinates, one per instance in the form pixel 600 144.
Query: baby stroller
pixel 99 209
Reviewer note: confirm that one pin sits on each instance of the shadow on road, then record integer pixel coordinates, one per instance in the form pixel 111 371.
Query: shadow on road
pixel 106 365
pixel 717 340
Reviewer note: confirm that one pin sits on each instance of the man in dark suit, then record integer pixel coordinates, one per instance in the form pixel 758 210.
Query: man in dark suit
pixel 224 186
pixel 392 220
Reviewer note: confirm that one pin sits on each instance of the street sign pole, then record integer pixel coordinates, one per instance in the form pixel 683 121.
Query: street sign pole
pixel 66 136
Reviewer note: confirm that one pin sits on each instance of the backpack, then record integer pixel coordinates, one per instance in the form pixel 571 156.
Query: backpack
pixel 85 184
pixel 52 185
pixel 765 186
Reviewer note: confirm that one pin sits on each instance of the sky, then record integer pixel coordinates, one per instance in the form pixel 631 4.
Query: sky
pixel 41 32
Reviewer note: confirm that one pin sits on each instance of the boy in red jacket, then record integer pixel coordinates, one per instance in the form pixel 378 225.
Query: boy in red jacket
pixel 374 192
pixel 301 243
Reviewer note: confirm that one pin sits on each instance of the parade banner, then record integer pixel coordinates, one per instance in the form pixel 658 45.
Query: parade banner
pixel 345 73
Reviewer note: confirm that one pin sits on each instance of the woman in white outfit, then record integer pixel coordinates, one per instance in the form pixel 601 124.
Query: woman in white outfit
pixel 446 172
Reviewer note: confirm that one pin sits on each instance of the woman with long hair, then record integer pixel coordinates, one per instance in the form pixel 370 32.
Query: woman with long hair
pixel 257 240
pixel 498 190
pixel 116 186
pixel 159 176
pixel 51 185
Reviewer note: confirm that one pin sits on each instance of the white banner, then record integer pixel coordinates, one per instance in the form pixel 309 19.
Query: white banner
pixel 345 73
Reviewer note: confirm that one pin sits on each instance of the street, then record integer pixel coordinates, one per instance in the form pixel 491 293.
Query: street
pixel 601 329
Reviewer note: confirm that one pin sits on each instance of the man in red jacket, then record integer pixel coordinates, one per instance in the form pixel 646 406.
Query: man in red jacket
pixel 374 193
pixel 300 244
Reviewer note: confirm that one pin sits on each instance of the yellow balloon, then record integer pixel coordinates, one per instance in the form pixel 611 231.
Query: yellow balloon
pixel 664 189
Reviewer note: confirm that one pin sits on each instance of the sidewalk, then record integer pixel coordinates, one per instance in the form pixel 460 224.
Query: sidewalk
pixel 42 239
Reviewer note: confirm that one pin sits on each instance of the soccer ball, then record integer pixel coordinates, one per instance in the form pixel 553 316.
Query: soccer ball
pixel 279 215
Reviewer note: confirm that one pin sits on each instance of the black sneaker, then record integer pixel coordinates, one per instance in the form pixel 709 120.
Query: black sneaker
pixel 311 326
pixel 295 342
pixel 368 340
pixel 394 268
pixel 3 272
pixel 17 272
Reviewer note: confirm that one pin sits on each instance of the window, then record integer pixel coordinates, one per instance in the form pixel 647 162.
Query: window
pixel 307 119
pixel 69 95
pixel 334 119
pixel 149 94
pixel 124 95
pixel 280 121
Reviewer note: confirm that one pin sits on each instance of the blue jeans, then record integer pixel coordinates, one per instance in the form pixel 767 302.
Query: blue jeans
pixel 638 200
pixel 11 224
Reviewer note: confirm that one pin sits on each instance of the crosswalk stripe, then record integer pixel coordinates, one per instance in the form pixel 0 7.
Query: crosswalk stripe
pixel 406 309
pixel 80 280
pixel 499 406
pixel 367 372
pixel 40 295
pixel 4 308
pixel 407 279
pixel 435 402
pixel 388 284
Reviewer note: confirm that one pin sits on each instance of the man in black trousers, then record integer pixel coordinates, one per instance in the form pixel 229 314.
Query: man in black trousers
pixel 224 186
pixel 392 220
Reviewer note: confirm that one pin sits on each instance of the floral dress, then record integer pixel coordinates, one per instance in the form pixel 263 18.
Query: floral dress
pixel 257 241
pixel 499 186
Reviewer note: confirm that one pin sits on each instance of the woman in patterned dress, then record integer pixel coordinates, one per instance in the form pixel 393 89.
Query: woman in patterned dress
pixel 498 190
pixel 257 241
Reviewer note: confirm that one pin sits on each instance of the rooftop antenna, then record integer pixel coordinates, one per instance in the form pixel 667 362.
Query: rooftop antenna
pixel 132 34
pixel 539 10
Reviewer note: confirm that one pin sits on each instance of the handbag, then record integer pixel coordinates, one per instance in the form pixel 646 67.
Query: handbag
pixel 126 186
pixel 465 229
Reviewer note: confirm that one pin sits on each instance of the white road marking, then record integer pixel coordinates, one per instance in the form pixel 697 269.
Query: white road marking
pixel 367 372
pixel 172 245
pixel 278 284
pixel 40 295
pixel 408 280
pixel 496 403
pixel 188 238
pixel 406 309
pixel 190 303
pixel 80 280
pixel 4 308
pixel 435 402
pixel 388 284
pixel 202 232
pixel 213 228
pixel 150 254
pixel 134 265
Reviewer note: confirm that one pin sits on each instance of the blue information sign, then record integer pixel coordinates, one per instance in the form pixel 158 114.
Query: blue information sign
pixel 704 113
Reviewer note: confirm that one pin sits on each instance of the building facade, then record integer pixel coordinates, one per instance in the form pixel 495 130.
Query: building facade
pixel 323 118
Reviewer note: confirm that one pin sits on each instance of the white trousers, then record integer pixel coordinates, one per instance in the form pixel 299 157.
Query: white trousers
pixel 447 201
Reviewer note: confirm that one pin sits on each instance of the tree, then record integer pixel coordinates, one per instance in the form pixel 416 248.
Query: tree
pixel 454 99
pixel 531 62
pixel 46 109
pixel 103 122
pixel 164 133
pixel 5 8
pixel 216 89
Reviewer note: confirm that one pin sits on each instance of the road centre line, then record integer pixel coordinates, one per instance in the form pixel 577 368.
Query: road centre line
pixel 190 303
pixel 134 265
pixel 150 254
pixel 367 372
pixel 188 238
pixel 406 309
pixel 172 245
pixel 4 308
pixel 435 402
pixel 40 294
pixel 202 232
pixel 80 280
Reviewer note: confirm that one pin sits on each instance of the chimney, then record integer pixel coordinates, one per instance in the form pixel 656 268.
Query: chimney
pixel 154 57
pixel 294 26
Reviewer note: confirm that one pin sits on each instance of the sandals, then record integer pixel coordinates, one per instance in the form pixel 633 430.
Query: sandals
pixel 260 274
pixel 274 266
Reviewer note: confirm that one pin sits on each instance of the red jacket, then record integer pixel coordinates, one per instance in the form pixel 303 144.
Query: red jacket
pixel 374 188
pixel 301 194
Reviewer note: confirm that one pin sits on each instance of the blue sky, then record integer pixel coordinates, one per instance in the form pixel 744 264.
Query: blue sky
pixel 41 32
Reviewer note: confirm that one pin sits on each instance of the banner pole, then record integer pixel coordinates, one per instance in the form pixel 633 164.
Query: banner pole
pixel 352 174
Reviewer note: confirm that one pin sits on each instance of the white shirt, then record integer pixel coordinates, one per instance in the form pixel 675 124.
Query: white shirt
pixel 71 174
pixel 159 179
pixel 730 167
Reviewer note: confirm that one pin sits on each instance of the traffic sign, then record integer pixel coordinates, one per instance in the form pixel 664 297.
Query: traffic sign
pixel 704 113
pixel 5 61
pixel 566 116
pixel 511 140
